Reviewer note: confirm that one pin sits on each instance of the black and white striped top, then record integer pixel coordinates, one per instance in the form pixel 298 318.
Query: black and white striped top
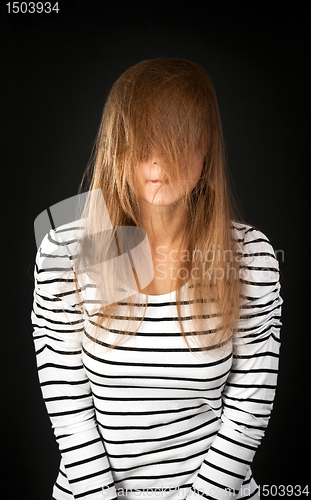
pixel 150 418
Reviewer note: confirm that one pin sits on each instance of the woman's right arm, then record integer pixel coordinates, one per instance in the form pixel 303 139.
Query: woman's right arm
pixel 58 328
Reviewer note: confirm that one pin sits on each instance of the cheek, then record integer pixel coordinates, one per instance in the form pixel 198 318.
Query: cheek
pixel 136 181
pixel 198 167
pixel 196 173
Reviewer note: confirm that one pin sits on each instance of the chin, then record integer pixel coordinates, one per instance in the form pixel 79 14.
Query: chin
pixel 162 202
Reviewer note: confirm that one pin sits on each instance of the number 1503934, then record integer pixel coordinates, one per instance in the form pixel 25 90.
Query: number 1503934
pixel 32 7
pixel 282 490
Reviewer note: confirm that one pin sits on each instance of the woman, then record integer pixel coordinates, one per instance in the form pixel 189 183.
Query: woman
pixel 165 391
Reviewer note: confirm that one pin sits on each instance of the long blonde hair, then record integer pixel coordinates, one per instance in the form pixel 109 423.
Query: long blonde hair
pixel 168 106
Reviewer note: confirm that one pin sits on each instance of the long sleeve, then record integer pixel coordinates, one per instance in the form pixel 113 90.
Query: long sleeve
pixel 58 325
pixel 250 388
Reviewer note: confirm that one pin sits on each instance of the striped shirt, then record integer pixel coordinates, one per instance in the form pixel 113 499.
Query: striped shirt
pixel 149 418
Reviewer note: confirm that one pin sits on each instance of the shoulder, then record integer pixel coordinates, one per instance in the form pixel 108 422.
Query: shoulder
pixel 54 273
pixel 252 242
pixel 258 264
pixel 63 239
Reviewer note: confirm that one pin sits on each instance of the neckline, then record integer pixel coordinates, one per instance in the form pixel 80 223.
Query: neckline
pixel 161 296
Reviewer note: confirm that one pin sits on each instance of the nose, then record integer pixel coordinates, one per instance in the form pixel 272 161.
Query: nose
pixel 158 171
pixel 158 167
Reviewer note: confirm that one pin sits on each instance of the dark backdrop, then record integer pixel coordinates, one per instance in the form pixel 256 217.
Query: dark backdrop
pixel 56 72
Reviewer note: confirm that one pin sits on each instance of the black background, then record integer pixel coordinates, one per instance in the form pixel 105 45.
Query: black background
pixel 56 72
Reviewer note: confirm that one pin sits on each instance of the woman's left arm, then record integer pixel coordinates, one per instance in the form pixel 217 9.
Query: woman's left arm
pixel 250 388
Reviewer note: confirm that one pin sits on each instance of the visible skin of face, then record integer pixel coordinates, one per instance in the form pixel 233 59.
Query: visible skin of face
pixel 150 176
pixel 167 222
